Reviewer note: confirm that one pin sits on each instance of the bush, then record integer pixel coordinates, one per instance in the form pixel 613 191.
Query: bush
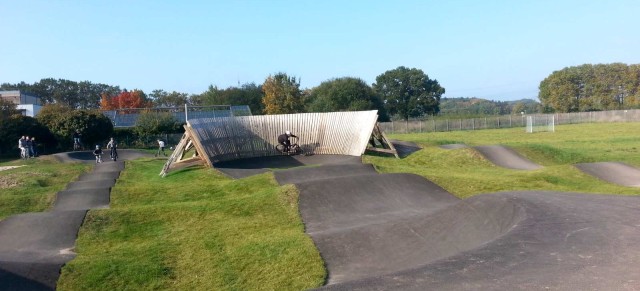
pixel 12 128
pixel 63 122
pixel 155 123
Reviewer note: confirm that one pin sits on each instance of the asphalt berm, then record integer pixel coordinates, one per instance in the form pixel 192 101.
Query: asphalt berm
pixel 403 232
pixel 506 157
pixel 613 172
pixel 35 246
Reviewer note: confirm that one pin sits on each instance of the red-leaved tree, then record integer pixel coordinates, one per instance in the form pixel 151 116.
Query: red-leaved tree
pixel 125 100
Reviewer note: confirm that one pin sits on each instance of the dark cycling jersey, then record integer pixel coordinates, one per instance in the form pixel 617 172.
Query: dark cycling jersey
pixel 284 139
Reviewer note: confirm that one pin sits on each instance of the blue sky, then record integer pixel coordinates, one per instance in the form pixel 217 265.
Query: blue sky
pixel 498 50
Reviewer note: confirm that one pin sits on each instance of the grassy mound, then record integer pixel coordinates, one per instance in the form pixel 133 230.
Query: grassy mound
pixel 32 186
pixel 464 172
pixel 194 229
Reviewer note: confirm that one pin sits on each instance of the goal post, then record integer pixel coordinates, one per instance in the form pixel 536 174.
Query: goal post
pixel 540 123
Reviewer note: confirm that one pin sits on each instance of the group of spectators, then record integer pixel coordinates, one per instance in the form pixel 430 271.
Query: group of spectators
pixel 28 147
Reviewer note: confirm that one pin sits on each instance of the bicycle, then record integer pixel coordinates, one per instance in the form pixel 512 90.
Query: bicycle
pixel 98 159
pixel 24 154
pixel 114 154
pixel 294 149
pixel 77 145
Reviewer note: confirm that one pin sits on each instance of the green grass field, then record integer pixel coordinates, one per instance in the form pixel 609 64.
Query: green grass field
pixel 197 229
pixel 194 230
pixel 464 172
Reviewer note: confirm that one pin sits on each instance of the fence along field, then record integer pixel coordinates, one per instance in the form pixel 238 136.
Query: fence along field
pixel 129 116
pixel 507 121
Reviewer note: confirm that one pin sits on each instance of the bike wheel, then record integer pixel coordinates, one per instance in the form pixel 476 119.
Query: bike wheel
pixel 280 148
pixel 297 150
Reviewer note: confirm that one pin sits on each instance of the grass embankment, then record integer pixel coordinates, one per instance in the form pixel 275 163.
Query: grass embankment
pixel 194 230
pixel 33 186
pixel 465 173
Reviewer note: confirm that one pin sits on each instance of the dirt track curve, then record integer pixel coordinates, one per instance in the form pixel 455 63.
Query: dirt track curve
pixel 35 246
pixel 403 232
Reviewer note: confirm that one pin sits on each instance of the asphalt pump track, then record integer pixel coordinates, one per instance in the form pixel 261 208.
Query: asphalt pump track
pixel 403 232
pixel 613 172
pixel 35 246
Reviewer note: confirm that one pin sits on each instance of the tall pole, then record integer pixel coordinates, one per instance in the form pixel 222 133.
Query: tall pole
pixel 186 114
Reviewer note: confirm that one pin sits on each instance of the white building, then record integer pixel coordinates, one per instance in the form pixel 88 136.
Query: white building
pixel 29 105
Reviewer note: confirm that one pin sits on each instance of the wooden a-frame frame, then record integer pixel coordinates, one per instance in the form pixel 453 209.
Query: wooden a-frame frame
pixel 378 137
pixel 178 160
pixel 378 143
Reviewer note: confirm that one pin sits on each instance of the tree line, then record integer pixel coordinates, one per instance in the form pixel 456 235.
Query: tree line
pixel 591 88
pixel 470 107
pixel 402 93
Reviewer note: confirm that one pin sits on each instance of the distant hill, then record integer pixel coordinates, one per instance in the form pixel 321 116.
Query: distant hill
pixel 472 106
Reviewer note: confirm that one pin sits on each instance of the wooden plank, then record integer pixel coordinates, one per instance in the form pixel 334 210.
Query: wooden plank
pixel 196 142
pixel 229 138
pixel 176 155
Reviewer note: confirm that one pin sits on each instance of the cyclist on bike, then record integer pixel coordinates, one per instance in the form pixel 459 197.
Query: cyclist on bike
pixel 112 145
pixel 76 140
pixel 98 153
pixel 283 139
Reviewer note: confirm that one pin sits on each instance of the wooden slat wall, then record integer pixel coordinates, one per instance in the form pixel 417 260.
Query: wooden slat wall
pixel 229 138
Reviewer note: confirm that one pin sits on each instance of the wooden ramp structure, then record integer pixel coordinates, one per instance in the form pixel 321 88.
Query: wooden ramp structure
pixel 211 140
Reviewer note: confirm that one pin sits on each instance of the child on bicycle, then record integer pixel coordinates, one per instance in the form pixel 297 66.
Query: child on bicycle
pixel 77 144
pixel 283 139
pixel 98 153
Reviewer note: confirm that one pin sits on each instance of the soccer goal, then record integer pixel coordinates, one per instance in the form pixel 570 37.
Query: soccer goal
pixel 538 123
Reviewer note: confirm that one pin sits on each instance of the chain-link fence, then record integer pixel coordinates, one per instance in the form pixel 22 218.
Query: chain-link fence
pixel 506 121
pixel 128 117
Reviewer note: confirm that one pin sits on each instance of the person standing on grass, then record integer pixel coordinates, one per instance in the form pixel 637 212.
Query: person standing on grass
pixel 161 148
pixel 22 145
pixel 28 144
pixel 33 150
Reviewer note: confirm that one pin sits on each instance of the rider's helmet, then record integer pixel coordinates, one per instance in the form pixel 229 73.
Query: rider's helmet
pixel 287 132
pixel 97 147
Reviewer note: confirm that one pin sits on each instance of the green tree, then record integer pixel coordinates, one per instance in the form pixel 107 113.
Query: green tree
pixel 162 98
pixel 62 121
pixel 154 123
pixel 84 95
pixel 282 95
pixel 12 128
pixel 408 92
pixel 591 87
pixel 345 94
pixel 7 109
pixel 248 94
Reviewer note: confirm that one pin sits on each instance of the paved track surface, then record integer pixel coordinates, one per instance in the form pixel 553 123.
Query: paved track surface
pixel 402 232
pixel 88 157
pixel 252 166
pixel 35 246
pixel 562 241
pixel 453 146
pixel 299 175
pixel 505 157
pixel 405 148
pixel 614 172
